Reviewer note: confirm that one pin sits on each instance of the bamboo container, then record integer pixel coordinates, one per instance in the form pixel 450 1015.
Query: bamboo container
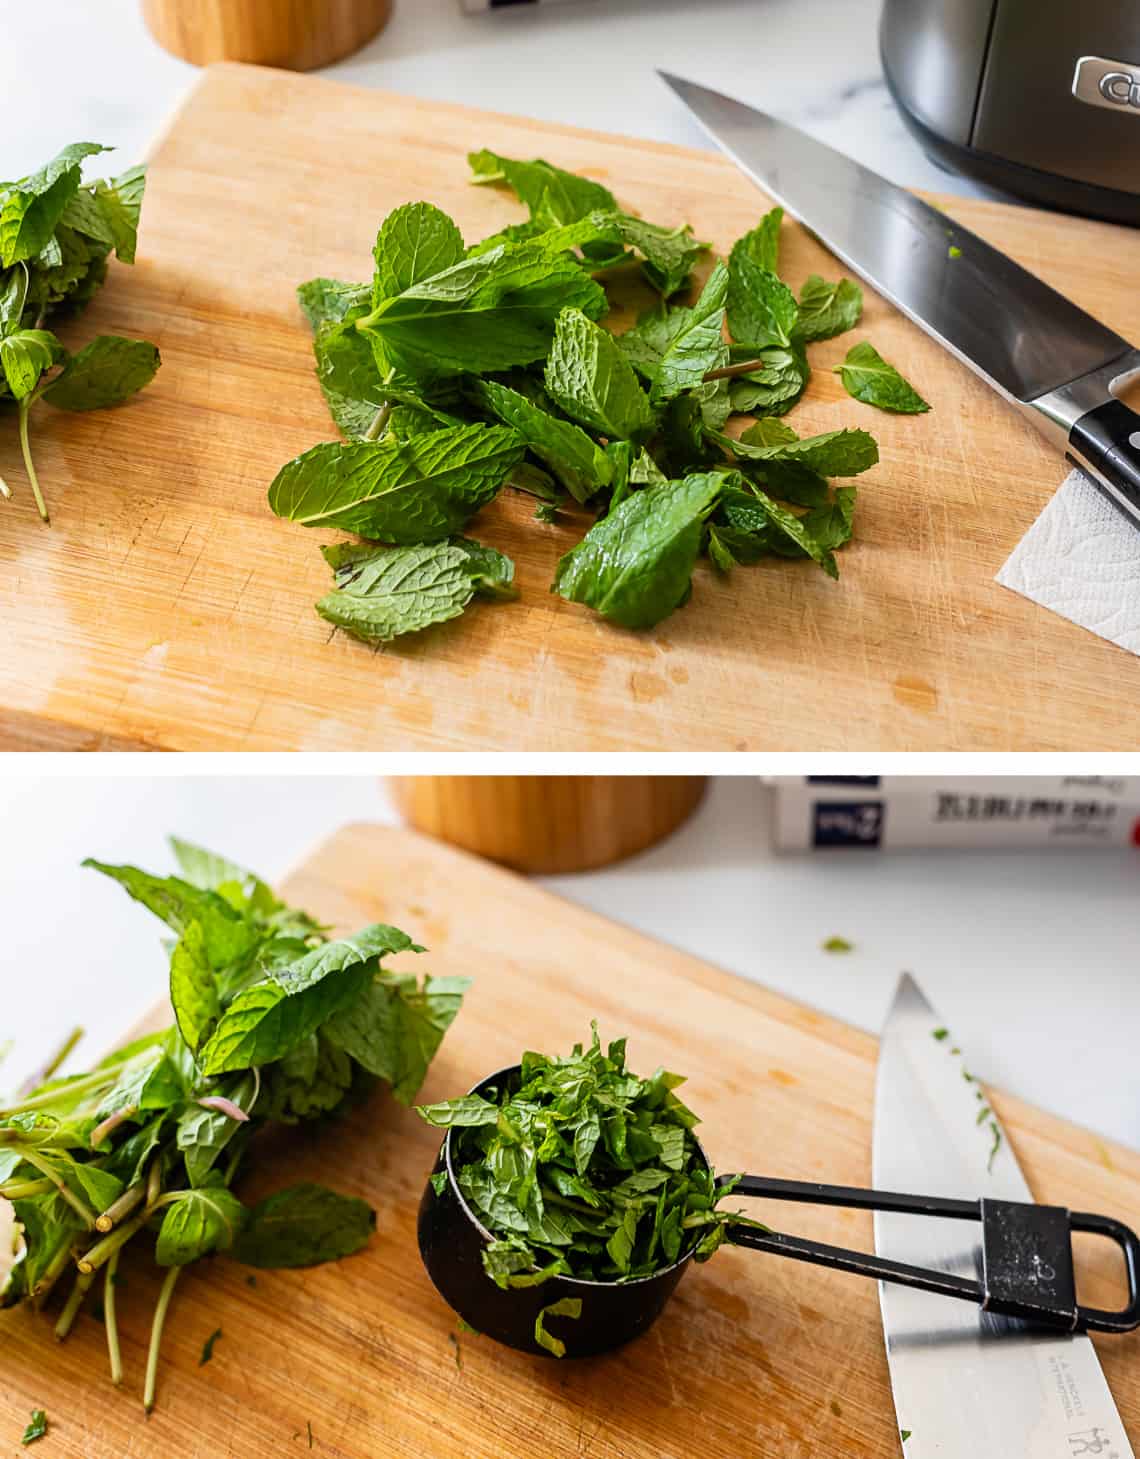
pixel 296 34
pixel 549 823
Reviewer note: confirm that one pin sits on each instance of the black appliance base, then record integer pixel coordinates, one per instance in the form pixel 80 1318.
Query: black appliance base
pixel 1042 189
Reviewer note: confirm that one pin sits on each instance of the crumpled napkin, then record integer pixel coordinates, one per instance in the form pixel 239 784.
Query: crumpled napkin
pixel 1081 559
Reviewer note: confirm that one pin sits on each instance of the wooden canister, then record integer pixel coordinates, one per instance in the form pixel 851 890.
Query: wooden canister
pixel 296 34
pixel 549 823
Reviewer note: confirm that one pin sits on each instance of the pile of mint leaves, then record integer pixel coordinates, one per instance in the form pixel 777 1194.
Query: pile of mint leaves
pixel 580 1168
pixel 274 1022
pixel 459 370
pixel 56 236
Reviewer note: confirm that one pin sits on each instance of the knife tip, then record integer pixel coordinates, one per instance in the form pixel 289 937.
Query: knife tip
pixel 908 999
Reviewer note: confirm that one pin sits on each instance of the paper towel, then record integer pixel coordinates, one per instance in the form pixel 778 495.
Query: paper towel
pixel 1081 559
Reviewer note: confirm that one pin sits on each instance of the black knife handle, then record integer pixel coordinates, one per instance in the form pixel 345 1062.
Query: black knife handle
pixel 1105 442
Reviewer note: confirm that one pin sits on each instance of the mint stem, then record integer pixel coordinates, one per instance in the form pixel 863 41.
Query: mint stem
pixel 54 1064
pixel 95 1256
pixel 156 1335
pixel 22 1190
pixel 125 1204
pixel 111 1321
pixel 29 463
pixel 379 421
pixel 727 372
pixel 79 1206
pixel 73 1304
pixel 75 1086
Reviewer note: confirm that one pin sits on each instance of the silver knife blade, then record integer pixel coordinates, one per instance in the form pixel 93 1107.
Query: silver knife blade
pixel 1020 335
pixel 967 1384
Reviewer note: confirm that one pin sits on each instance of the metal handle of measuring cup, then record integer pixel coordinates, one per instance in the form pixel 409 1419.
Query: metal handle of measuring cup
pixel 1027 1259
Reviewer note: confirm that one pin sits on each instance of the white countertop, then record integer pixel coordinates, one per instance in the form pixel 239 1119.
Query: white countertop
pixel 1031 958
pixel 77 70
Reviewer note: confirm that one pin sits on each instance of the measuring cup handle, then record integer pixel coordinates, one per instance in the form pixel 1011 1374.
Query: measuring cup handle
pixel 1095 1319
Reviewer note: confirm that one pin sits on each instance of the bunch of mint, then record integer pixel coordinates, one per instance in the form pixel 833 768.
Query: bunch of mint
pixel 580 1168
pixel 56 235
pixel 274 1022
pixel 458 370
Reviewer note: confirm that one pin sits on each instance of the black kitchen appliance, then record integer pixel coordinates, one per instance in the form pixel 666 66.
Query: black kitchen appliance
pixel 1040 98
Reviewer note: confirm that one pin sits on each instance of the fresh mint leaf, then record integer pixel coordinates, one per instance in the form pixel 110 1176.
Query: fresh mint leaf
pixel 575 460
pixel 412 492
pixel 834 453
pixel 193 987
pixel 762 310
pixel 830 523
pixel 635 566
pixel 491 312
pixel 565 1307
pixel 376 941
pixel 669 253
pixel 178 904
pixel 13 297
pixel 762 243
pixel 304 1226
pixel 120 202
pixel 424 1013
pixel 204 1133
pixel 868 377
pixel 788 525
pixel 471 1109
pixel 331 301
pixel 197 1223
pixel 697 344
pixel 773 388
pixel 414 243
pixel 399 590
pixel 590 378
pixel 25 355
pixel 31 208
pixel 553 195
pixel 491 571
pixel 105 372
pixel 264 1023
pixel 826 310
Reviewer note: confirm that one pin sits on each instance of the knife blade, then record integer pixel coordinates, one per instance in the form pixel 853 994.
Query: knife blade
pixel 1058 365
pixel 967 1384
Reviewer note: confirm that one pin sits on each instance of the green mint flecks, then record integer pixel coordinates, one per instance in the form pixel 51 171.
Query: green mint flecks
pixel 275 1022
pixel 985 1118
pixel 208 1347
pixel 868 377
pixel 838 944
pixel 38 1427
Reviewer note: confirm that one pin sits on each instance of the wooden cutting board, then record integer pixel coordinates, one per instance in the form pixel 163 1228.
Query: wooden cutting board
pixel 167 608
pixel 755 1358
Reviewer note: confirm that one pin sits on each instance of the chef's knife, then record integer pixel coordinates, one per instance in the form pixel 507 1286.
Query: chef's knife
pixel 1056 363
pixel 967 1384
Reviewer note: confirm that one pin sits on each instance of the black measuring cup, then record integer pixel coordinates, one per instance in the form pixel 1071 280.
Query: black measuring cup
pixel 1027 1264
